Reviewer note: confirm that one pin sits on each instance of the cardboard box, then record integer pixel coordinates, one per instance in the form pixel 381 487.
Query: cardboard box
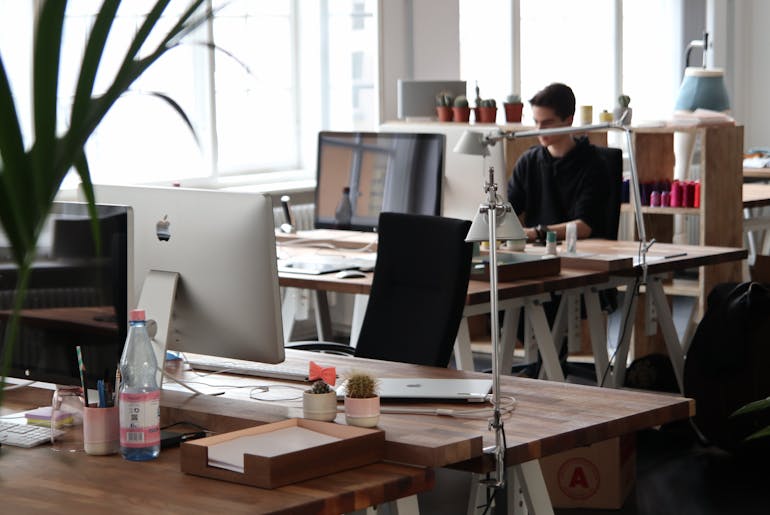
pixel 598 476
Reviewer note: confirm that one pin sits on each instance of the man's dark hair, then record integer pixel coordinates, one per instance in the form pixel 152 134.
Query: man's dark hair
pixel 558 97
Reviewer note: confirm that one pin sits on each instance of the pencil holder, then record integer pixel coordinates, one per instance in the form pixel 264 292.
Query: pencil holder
pixel 101 432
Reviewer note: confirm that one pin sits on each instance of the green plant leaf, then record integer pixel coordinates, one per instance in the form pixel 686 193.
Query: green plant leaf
pixel 751 407
pixel 762 433
pixel 45 71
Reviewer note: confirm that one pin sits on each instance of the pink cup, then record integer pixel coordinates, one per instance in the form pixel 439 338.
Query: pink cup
pixel 101 430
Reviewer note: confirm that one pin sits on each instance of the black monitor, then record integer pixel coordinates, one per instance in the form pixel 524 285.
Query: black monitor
pixel 383 171
pixel 77 296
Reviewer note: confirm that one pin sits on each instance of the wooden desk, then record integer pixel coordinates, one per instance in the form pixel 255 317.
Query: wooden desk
pixel 756 224
pixel 549 418
pixel 761 174
pixel 662 260
pixel 513 295
pixel 43 481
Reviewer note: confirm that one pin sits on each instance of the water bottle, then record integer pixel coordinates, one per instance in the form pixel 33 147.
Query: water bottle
pixel 139 395
pixel 344 211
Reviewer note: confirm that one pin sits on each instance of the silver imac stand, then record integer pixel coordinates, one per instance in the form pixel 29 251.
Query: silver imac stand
pixel 157 299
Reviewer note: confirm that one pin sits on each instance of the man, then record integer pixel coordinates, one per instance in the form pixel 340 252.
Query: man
pixel 563 179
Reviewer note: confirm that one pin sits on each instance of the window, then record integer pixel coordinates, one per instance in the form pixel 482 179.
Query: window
pixel 577 43
pixel 283 71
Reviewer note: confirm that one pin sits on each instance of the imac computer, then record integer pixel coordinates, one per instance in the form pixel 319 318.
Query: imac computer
pixel 376 171
pixel 204 265
pixel 77 296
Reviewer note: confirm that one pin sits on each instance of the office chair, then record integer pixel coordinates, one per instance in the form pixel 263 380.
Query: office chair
pixel 418 292
pixel 613 159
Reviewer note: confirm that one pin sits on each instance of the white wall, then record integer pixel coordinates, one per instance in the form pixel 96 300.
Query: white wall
pixel 749 69
pixel 419 39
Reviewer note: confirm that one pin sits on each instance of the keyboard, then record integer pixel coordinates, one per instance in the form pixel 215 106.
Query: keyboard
pixel 25 435
pixel 248 368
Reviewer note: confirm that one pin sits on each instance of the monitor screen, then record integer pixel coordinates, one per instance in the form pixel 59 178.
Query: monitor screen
pixel 222 245
pixel 77 296
pixel 376 171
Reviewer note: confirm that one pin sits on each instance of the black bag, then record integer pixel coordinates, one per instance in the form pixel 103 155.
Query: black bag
pixel 728 363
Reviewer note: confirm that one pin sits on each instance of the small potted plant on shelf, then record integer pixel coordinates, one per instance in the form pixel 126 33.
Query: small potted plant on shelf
pixel 362 404
pixel 319 402
pixel 513 107
pixel 487 111
pixel 461 111
pixel 444 103
pixel 622 107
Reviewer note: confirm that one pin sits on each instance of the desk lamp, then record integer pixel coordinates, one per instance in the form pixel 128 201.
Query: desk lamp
pixel 702 88
pixel 495 220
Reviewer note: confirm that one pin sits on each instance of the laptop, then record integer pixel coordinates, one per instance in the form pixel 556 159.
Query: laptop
pixel 430 389
pixel 324 264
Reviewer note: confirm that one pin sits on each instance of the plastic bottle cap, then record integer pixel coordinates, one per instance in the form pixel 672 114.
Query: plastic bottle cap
pixel 137 315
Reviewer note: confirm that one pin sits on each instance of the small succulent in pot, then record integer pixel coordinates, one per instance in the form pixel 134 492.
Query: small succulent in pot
pixel 319 402
pixel 362 402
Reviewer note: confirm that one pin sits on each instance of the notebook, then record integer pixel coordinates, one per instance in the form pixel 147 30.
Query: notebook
pixel 425 389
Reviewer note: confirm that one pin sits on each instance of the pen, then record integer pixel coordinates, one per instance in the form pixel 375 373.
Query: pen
pixel 101 392
pixel 82 373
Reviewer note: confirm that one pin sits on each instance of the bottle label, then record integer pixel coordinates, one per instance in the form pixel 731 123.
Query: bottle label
pixel 139 419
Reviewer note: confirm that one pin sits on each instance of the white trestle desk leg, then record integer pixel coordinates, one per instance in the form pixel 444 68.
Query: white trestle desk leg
pixel 323 321
pixel 655 288
pixel 598 332
pixel 536 314
pixel 360 300
pixel 624 338
pixel 512 309
pixel 403 506
pixel 291 297
pixel 157 299
pixel 530 477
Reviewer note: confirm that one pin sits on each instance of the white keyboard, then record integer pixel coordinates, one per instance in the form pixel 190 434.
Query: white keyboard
pixel 248 368
pixel 25 435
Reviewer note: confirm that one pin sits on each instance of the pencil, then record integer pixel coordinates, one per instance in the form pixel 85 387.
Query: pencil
pixel 82 374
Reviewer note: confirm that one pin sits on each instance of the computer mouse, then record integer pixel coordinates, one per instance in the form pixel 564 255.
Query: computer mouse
pixel 350 274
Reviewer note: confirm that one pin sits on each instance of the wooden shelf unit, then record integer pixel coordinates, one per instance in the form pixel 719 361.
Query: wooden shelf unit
pixel 721 176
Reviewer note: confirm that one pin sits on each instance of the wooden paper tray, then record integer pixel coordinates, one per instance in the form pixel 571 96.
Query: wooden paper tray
pixel 353 447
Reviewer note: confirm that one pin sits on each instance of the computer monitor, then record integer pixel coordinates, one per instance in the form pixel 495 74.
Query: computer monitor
pixel 76 296
pixel 382 171
pixel 222 246
pixel 416 99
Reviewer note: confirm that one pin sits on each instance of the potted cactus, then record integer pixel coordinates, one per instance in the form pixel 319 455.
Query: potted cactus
pixel 513 108
pixel 362 404
pixel 487 111
pixel 477 101
pixel 444 103
pixel 460 110
pixel 319 402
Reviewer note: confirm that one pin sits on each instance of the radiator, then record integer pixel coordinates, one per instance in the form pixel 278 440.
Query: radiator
pixel 301 214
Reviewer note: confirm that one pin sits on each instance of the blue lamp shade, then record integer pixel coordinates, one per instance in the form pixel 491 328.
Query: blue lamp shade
pixel 703 89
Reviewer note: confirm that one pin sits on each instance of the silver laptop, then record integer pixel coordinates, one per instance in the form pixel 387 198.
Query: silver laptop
pixel 429 389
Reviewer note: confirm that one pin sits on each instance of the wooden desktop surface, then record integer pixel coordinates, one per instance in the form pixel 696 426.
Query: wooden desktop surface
pixel 478 290
pixel 43 480
pixel 550 417
pixel 91 319
pixel 662 257
pixel 756 195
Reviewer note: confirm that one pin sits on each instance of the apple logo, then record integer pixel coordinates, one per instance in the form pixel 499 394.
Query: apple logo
pixel 163 229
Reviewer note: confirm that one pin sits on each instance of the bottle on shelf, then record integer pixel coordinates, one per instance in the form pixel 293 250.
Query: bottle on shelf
pixel 139 394
pixel 344 211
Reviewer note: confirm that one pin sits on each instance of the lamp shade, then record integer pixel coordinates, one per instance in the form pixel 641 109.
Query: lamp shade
pixel 472 143
pixel 703 89
pixel 508 226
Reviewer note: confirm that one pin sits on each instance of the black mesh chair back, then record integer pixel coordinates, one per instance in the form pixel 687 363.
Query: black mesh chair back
pixel 418 291
pixel 613 158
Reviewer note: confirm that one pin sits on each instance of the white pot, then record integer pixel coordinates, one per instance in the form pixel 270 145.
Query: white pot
pixel 319 406
pixel 362 412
